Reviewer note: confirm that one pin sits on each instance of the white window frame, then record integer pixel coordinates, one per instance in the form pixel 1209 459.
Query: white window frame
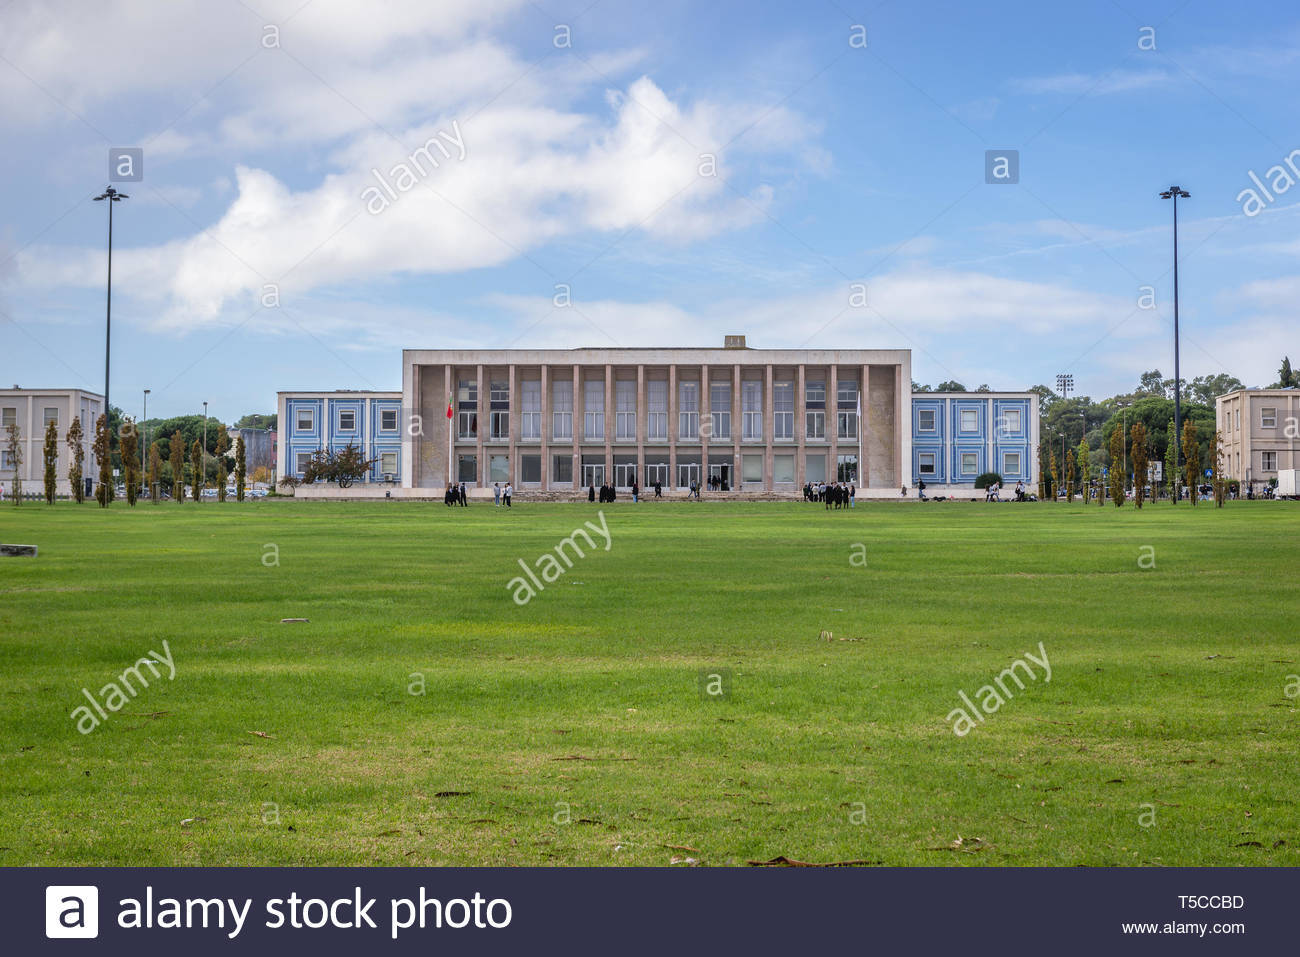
pixel 656 420
pixel 751 412
pixel 298 462
pixel 975 463
pixel 625 409
pixel 1007 469
pixel 921 463
pixel 298 416
pixel 593 416
pixel 815 424
pixel 530 409
pixel 46 418
pixel 1268 418
pixel 384 468
pixel 782 410
pixel 562 409
pixel 719 417
pixel 383 419
pixel 920 420
pixel 688 410
pixel 1264 457
pixel 961 420
pixel 1008 427
pixel 846 424
pixel 338 420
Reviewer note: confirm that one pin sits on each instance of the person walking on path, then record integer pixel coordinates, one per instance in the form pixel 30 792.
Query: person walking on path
pixel 464 499
pixel 509 491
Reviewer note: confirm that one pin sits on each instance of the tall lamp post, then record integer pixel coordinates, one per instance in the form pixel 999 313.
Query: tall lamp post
pixel 1064 383
pixel 203 459
pixel 1174 193
pixel 144 419
pixel 113 196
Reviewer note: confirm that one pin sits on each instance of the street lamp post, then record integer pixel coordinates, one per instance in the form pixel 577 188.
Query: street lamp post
pixel 203 459
pixel 144 419
pixel 1174 192
pixel 1064 383
pixel 113 196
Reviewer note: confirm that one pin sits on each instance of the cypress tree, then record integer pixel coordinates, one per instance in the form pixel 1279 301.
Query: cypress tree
pixel 103 449
pixel 196 466
pixel 241 468
pixel 1139 436
pixel 1171 464
pixel 1085 471
pixel 1069 475
pixel 51 461
pixel 178 466
pixel 76 458
pixel 131 461
pixel 1116 466
pixel 1191 456
pixel 15 449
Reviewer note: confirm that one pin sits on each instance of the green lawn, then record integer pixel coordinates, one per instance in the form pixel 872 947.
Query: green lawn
pixel 572 730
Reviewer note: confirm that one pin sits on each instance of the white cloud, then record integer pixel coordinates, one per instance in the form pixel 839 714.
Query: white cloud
pixel 1078 84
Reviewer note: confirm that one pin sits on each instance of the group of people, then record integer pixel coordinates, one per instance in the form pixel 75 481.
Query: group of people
pixel 455 495
pixel 607 492
pixel 834 495
pixel 502 496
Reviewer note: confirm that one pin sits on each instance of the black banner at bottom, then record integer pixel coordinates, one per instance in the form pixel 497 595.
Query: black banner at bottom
pixel 973 910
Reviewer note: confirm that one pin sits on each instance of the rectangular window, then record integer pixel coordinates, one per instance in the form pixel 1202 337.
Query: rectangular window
pixel 499 411
pixel 969 463
pixel 562 413
pixel 562 469
pixel 656 472
pixel 498 469
pixel 530 412
pixel 8 416
pixel 656 423
pixel 1010 463
pixel 1011 421
pixel 6 460
pixel 815 468
pixel 925 420
pixel 499 425
pixel 347 420
pixel 846 393
pixel 847 469
pixel 688 410
pixel 530 469
pixel 499 396
pixel 300 462
pixel 50 415
pixel 305 421
pixel 593 410
pixel 846 425
pixel 751 468
pixel 1269 461
pixel 783 410
pixel 815 395
pixel 387 420
pixel 388 463
pixel 467 469
pixel 751 411
pixel 783 469
pixel 720 410
pixel 1268 418
pixel 969 421
pixel 816 425
pixel 925 462
pixel 625 409
pixel 467 411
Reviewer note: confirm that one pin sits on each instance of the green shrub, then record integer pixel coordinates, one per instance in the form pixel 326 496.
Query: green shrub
pixel 987 479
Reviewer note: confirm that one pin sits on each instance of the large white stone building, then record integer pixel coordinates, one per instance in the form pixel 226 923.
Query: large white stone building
pixel 31 410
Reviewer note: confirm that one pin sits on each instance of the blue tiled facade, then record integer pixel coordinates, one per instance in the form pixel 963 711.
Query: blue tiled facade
pixel 957 436
pixel 315 420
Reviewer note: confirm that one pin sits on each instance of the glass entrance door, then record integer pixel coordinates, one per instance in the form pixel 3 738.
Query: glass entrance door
pixel 687 472
pixel 720 474
pixel 624 474
pixel 593 475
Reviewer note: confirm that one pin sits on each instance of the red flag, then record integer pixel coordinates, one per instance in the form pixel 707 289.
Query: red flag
pixel 450 414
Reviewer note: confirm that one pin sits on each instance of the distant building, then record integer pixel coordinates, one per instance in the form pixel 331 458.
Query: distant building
pixel 259 447
pixel 312 421
pixel 32 410
pixel 958 436
pixel 1260 429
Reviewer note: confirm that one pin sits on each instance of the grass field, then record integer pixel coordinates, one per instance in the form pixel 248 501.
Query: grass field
pixel 572 730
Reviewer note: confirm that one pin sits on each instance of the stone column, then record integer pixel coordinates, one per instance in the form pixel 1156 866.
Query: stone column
pixel 512 425
pixel 544 446
pixel 672 426
pixel 832 422
pixel 448 473
pixel 705 413
pixel 641 413
pixel 800 427
pixel 737 463
pixel 609 423
pixel 864 428
pixel 481 461
pixel 576 426
pixel 769 430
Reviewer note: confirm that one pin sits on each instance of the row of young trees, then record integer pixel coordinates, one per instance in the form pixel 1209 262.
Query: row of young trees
pixel 1076 475
pixel 172 475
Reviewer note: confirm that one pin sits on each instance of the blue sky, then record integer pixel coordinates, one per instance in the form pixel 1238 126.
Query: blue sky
pixel 668 173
